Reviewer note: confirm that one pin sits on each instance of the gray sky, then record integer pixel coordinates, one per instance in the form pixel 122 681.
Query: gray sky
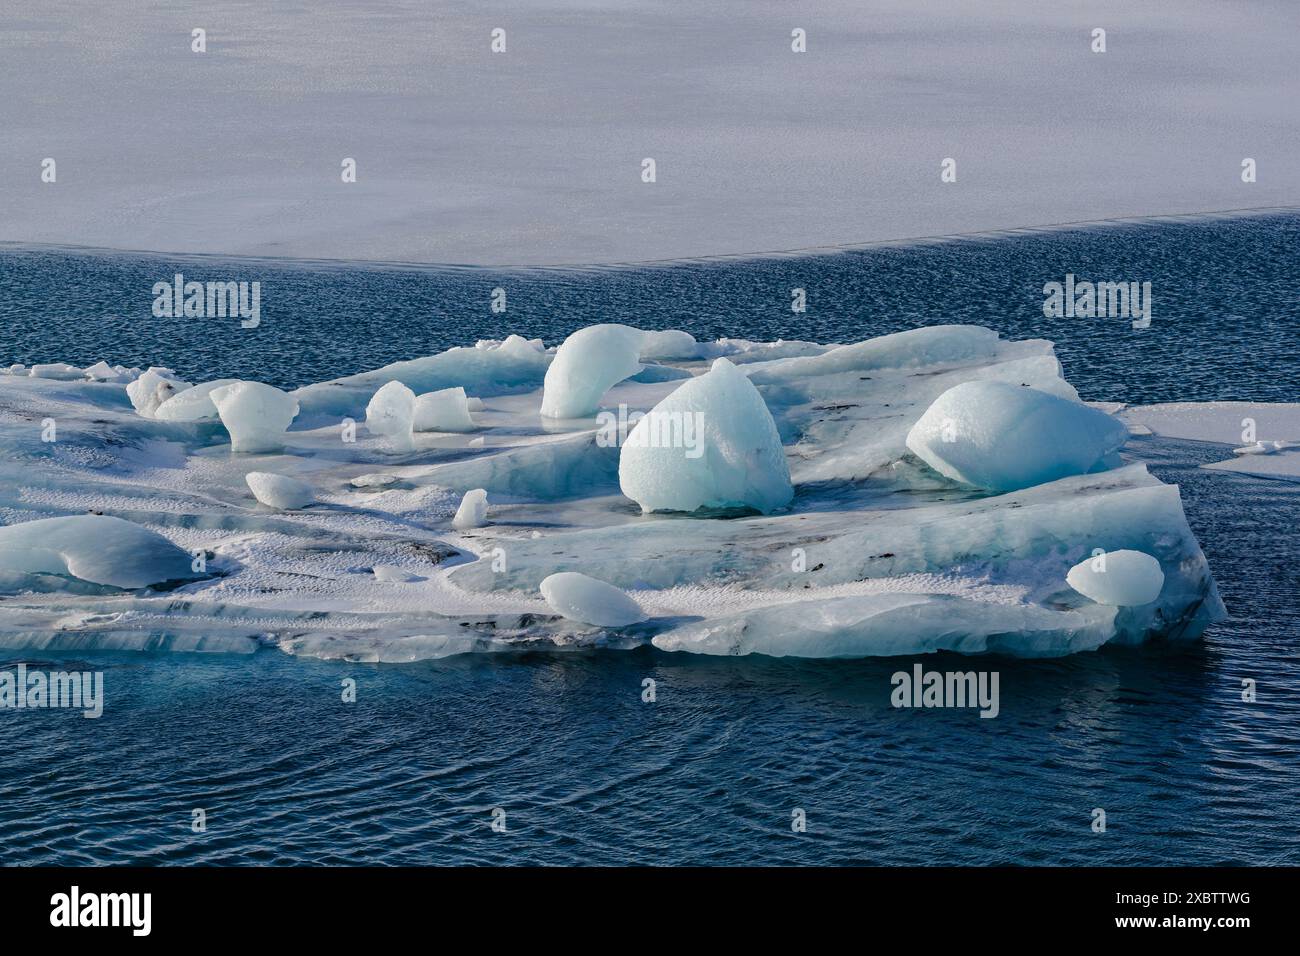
pixel 534 155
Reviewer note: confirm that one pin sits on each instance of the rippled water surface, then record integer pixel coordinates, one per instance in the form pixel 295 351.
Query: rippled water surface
pixel 711 771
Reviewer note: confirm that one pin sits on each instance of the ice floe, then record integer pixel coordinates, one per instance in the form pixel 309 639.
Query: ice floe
pixel 795 520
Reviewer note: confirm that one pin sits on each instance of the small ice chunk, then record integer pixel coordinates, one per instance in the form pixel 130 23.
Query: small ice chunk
pixel 474 404
pixel 194 404
pixel 103 372
pixel 669 345
pixel 256 415
pixel 392 574
pixel 58 370
pixel 280 491
pixel 472 512
pixel 152 388
pixel 588 601
pixel 1005 437
pixel 97 548
pixel 1266 448
pixel 391 414
pixel 446 410
pixel 712 443
pixel 373 480
pixel 18 368
pixel 1118 578
pixel 586 365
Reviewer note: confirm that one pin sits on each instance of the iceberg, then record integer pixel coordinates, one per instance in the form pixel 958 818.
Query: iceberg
pixel 1004 437
pixel 97 549
pixel 775 505
pixel 710 444
pixel 391 414
pixel 255 415
pixel 588 601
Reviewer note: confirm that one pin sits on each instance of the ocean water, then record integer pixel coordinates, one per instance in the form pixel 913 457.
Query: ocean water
pixel 711 771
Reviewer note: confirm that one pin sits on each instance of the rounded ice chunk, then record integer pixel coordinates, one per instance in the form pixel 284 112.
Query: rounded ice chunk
pixel 668 345
pixel 1005 437
pixel 712 443
pixel 1118 578
pixel 472 512
pixel 588 601
pixel 100 549
pixel 194 404
pixel 280 491
pixel 586 365
pixel 391 413
pixel 152 388
pixel 446 410
pixel 255 414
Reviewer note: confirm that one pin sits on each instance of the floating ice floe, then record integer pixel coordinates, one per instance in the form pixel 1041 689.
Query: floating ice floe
pixel 1004 437
pixel 280 491
pixel 588 601
pixel 391 414
pixel 256 415
pixel 1118 578
pixel 810 526
pixel 97 549
pixel 711 444
pixel 446 410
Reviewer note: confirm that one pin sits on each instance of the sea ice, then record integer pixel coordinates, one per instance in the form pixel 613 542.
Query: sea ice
pixel 710 444
pixel 1003 437
pixel 280 491
pixel 255 414
pixel 98 549
pixel 586 365
pixel 1118 578
pixel 391 414
pixel 446 410
pixel 588 601
pixel 472 512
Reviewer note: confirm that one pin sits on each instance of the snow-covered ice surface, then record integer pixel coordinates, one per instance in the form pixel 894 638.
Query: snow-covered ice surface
pixel 534 155
pixel 876 554
pixel 1263 439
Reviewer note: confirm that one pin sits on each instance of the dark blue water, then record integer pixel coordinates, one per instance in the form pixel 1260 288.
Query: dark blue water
pixel 710 772
pixel 1226 309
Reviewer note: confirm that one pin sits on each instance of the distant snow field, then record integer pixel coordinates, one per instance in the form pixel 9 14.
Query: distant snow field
pixel 536 154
